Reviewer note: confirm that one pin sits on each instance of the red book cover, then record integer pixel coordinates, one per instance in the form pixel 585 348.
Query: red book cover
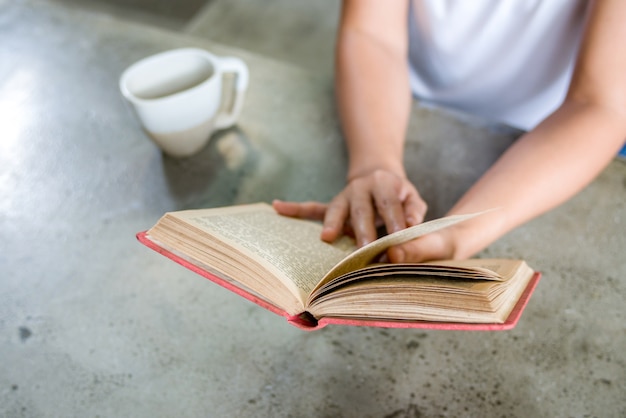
pixel 306 322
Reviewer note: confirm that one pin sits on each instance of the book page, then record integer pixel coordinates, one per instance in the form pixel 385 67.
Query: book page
pixel 290 248
pixel 367 254
pixel 505 268
pixel 396 292
pixel 448 274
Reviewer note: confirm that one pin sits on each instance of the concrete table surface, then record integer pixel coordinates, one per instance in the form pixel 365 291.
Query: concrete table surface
pixel 93 324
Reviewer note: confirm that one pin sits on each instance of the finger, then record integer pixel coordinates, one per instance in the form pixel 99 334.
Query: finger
pixel 363 218
pixel 429 247
pixel 335 218
pixel 303 210
pixel 414 208
pixel 390 208
pixel 409 252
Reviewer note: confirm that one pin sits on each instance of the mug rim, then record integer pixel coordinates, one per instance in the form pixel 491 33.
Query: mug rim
pixel 128 72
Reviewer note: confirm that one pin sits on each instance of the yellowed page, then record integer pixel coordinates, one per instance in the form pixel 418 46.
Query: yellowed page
pixel 290 248
pixel 367 254
pixel 505 268
pixel 398 296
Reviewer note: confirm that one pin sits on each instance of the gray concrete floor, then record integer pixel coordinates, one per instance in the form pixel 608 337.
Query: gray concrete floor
pixel 92 324
pixel 160 13
pixel 300 32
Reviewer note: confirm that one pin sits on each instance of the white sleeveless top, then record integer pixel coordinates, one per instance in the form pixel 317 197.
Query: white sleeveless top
pixel 504 60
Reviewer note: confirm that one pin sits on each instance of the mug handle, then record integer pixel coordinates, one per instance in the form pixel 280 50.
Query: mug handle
pixel 235 65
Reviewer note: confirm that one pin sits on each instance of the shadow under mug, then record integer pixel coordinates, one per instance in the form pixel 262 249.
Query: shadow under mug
pixel 177 96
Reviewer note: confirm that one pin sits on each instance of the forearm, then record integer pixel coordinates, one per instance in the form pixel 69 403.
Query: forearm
pixel 543 169
pixel 374 100
pixel 564 153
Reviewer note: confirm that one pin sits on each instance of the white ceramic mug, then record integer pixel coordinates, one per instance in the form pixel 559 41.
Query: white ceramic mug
pixel 177 96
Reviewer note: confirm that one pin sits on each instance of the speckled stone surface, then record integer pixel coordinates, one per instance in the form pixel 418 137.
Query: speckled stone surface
pixel 301 32
pixel 93 324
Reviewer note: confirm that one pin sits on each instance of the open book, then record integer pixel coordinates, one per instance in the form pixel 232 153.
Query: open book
pixel 281 264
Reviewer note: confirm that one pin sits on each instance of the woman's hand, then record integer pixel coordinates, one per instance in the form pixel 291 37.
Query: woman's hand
pixel 371 200
pixel 375 199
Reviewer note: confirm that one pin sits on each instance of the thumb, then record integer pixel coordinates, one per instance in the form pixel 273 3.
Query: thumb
pixel 427 248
